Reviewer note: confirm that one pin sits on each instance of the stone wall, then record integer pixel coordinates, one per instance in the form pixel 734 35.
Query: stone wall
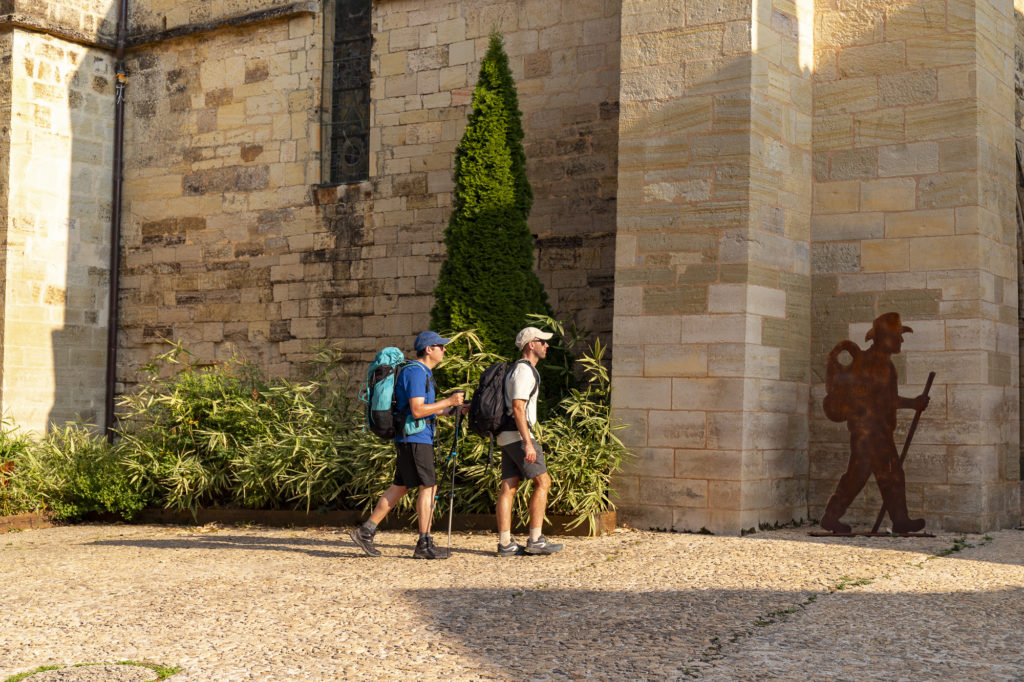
pixel 712 264
pixel 153 19
pixel 56 226
pixel 1018 13
pixel 564 57
pixel 913 212
pixel 1018 58
pixel 6 64
pixel 221 233
pixel 87 22
pixel 233 244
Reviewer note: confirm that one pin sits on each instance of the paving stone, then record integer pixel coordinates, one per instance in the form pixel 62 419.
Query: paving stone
pixel 248 603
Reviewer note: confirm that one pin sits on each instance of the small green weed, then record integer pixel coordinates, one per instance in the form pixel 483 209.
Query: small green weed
pixel 959 544
pixel 163 671
pixel 846 583
pixel 779 525
pixel 21 676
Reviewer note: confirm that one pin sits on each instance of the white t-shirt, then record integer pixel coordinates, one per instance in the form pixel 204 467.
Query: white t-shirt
pixel 518 386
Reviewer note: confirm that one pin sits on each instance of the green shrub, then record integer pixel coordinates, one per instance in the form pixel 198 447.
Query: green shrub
pixel 71 472
pixel 195 436
pixel 13 447
pixel 581 449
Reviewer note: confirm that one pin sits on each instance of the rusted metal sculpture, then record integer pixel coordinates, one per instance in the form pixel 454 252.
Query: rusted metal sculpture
pixel 864 395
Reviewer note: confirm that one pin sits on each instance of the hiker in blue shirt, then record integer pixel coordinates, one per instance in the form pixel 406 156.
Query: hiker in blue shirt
pixel 414 444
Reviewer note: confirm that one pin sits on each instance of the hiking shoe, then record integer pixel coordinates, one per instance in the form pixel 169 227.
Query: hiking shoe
pixel 511 549
pixel 426 549
pixel 542 546
pixel 364 539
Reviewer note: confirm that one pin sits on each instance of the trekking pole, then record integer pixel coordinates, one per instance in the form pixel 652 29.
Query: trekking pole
pixel 906 446
pixel 453 456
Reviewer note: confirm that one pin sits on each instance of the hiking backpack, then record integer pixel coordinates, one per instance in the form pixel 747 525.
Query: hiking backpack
pixel 841 383
pixel 382 414
pixel 379 392
pixel 488 414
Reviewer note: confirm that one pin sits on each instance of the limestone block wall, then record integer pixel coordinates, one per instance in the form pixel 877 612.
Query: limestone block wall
pixel 232 243
pixel 777 293
pixel 6 62
pixel 221 232
pixel 712 264
pixel 564 56
pixel 87 22
pixel 913 212
pixel 57 158
pixel 148 19
pixel 1018 75
pixel 1018 13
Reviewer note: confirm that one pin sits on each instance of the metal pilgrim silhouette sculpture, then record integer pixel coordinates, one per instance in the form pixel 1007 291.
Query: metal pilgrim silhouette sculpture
pixel 864 395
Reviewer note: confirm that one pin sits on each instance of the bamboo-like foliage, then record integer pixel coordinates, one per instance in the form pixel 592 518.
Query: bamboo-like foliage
pixel 581 449
pixel 227 435
pixel 194 436
pixel 70 472
pixel 14 447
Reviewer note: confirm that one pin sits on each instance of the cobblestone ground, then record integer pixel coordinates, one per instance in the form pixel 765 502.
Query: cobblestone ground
pixel 252 603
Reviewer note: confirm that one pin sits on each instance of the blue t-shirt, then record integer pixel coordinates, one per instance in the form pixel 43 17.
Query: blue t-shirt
pixel 415 381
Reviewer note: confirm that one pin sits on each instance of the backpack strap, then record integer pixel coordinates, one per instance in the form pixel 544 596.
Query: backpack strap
pixel 536 380
pixel 428 381
pixel 504 389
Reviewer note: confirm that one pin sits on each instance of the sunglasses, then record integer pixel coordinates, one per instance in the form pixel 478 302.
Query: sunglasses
pixel 437 345
pixel 541 341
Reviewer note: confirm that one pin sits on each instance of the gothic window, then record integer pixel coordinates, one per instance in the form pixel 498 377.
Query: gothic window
pixel 346 97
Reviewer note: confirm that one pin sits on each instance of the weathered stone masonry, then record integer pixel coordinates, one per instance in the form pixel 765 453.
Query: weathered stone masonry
pixel 727 188
pixel 231 244
pixel 55 155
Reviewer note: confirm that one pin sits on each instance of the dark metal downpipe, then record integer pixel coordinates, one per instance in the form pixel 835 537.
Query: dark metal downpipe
pixel 121 81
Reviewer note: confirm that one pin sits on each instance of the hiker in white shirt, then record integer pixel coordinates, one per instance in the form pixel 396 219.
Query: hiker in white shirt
pixel 521 455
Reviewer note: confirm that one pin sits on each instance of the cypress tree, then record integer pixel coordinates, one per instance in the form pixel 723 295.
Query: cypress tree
pixel 487 282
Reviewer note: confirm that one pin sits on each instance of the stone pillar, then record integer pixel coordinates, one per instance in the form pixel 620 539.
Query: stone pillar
pixel 57 117
pixel 712 290
pixel 914 212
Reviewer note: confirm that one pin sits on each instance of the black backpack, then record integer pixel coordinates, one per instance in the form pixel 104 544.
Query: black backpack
pixel 488 413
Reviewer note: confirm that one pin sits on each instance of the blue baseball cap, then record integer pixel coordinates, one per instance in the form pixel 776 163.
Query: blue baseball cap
pixel 424 339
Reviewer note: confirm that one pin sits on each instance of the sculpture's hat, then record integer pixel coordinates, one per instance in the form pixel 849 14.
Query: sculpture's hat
pixel 887 323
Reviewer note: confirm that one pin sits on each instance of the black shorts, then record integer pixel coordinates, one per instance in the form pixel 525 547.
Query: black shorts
pixel 415 465
pixel 514 464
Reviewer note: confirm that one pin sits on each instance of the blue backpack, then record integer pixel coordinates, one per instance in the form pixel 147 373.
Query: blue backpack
pixel 382 415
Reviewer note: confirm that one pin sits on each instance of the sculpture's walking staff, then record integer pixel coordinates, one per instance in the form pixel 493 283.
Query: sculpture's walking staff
pixel 906 445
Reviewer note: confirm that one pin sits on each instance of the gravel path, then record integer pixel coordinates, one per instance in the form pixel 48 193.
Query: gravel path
pixel 253 603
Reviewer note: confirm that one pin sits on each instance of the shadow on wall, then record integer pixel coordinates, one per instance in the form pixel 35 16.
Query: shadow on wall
pixel 1018 61
pixel 79 344
pixel 714 175
pixel 893 125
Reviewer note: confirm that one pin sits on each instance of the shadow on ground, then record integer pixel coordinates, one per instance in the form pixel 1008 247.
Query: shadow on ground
pixel 945 545
pixel 580 634
pixel 341 547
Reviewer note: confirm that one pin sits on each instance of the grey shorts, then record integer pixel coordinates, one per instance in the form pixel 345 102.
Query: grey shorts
pixel 514 464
